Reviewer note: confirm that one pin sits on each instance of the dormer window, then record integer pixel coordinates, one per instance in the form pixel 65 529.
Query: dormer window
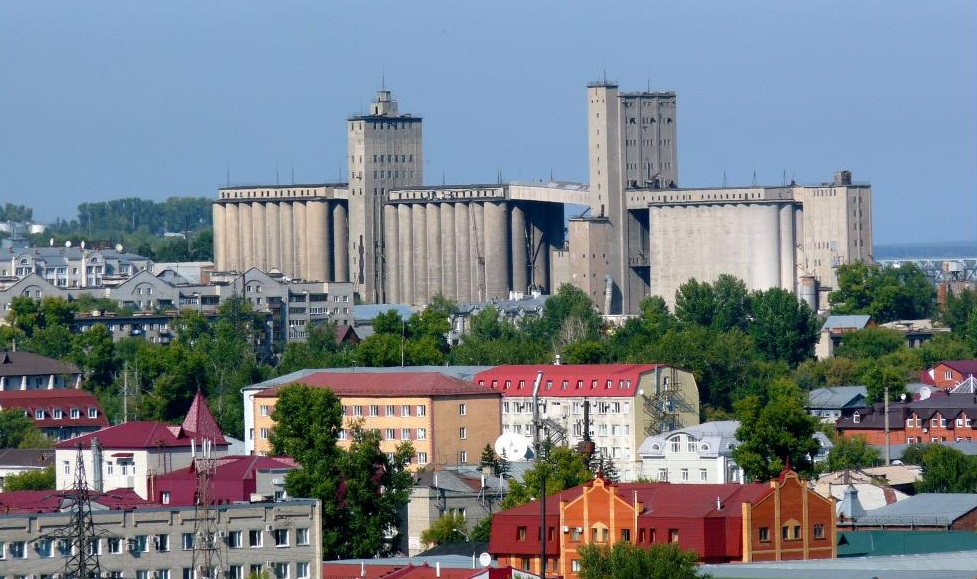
pixel 58 414
pixel 93 412
pixel 75 413
pixel 856 418
pixel 39 414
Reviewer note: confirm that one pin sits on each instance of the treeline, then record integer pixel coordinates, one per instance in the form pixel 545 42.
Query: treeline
pixel 138 224
pixel 19 213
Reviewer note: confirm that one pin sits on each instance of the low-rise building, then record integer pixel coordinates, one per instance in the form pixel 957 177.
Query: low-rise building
pixel 624 403
pixel 146 541
pixel 15 461
pixel 130 455
pixel 830 403
pixel 936 417
pixel 446 419
pixel 833 332
pixel 27 371
pixel 781 520
pixel 924 511
pixel 60 414
pixel 233 479
pixel 950 373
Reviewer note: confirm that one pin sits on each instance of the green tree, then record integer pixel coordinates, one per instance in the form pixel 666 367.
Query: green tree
pixel 783 327
pixel 450 528
pixel 870 343
pixel 773 432
pixel 947 470
pixel 94 352
pixel 561 467
pixel 568 316
pixel 887 294
pixel 491 460
pixel 852 453
pixel 879 376
pixel 959 312
pixel 628 561
pixel 483 530
pixel 15 427
pixel 732 303
pixel 31 480
pixel 362 489
pixel 696 303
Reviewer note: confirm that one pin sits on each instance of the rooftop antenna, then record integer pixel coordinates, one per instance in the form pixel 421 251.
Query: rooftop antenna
pixel 724 177
pixel 783 181
pixel 276 175
pixel 754 177
pixel 293 171
pixel 227 168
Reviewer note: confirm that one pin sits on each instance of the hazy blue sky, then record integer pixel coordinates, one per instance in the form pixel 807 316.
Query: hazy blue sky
pixel 101 100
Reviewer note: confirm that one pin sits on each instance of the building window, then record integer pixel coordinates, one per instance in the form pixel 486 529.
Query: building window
pixel 818 531
pixel 302 570
pixel 685 474
pixel 17 550
pixel 374 410
pixel 38 415
pixel 462 409
pixel 520 533
pixel 162 543
pixel 264 410
pixel 764 534
pixel 575 566
pixel 463 457
pixel 357 410
pixel 856 418
pixel 421 434
pixel 626 535
pixel 281 537
pixel 703 475
pixel 264 433
pixel 421 458
pixel 302 536
pixel 599 534
pixel 187 542
pixel 405 433
pixel 93 412
pixel 675 444
pixel 390 434
pixel 391 410
pixel 463 433
pixel 663 474
pixel 161 574
pixel 673 535
pixel 235 572
pixel 58 414
pixel 421 410
pixel 75 413
pixel 234 540
pixel 575 534
pixel 254 538
pixel 115 545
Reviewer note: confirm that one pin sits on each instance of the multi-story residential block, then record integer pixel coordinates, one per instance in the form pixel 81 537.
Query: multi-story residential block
pixel 130 455
pixel 73 267
pixel 27 371
pixel 446 419
pixel 782 520
pixel 60 414
pixel 146 541
pixel 624 404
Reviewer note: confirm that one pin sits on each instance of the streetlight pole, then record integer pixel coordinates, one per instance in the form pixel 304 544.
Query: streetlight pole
pixel 538 449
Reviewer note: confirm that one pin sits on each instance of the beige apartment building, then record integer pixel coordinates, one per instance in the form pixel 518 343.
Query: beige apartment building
pixel 446 419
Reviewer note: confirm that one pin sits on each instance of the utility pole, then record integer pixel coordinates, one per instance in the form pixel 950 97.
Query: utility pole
pixel 538 450
pixel 888 453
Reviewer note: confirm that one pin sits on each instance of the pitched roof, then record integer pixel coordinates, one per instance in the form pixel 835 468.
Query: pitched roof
pixel 965 367
pixel 381 384
pixel 20 502
pixel 137 435
pixel 940 509
pixel 59 399
pixel 836 396
pixel 592 380
pixel 841 323
pixel 26 457
pixel 201 422
pixel 28 364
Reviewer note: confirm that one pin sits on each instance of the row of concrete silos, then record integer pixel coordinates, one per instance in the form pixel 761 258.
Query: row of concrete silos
pixel 302 239
pixel 468 251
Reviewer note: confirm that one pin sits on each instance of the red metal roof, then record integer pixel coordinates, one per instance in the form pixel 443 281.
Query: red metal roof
pixel 201 422
pixel 233 479
pixel 21 502
pixel 135 435
pixel 388 384
pixel 965 367
pixel 566 380
pixel 51 400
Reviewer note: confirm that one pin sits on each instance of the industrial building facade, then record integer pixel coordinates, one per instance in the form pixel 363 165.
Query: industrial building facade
pixel 400 242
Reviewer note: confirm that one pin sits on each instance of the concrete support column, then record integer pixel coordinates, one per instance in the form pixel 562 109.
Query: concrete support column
pixel 340 233
pixel 328 245
pixel 273 234
pixel 463 253
pixel 497 239
pixel 434 267
pixel 259 235
pixel 300 235
pixel 391 239
pixel 233 238
pixel 765 252
pixel 316 241
pixel 518 247
pixel 419 222
pixel 246 221
pixel 449 250
pixel 539 249
pixel 286 228
pixel 220 236
pixel 478 257
pixel 405 252
pixel 788 249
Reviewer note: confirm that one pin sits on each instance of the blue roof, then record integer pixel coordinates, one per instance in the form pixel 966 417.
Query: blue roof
pixel 836 397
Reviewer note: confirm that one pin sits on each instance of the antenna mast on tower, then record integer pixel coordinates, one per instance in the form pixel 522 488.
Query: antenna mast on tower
pixel 207 552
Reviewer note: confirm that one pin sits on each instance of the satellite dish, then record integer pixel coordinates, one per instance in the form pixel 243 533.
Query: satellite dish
pixel 51 243
pixel 82 244
pixel 485 560
pixel 925 392
pixel 118 247
pixel 511 447
pixel 67 243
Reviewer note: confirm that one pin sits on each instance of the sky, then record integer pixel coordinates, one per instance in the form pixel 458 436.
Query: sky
pixel 110 99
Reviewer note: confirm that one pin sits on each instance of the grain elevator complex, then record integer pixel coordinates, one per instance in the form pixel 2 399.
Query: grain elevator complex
pixel 400 241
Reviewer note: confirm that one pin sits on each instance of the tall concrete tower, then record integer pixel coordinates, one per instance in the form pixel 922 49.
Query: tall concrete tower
pixel 385 153
pixel 632 142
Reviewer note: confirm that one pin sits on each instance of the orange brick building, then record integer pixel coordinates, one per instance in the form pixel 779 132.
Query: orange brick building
pixel 781 520
pixel 448 420
pixel 941 417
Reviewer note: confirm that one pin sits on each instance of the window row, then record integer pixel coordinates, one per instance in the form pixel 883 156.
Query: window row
pixel 388 410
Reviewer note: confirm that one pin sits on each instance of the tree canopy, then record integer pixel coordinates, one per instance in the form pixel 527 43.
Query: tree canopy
pixel 362 489
pixel 628 561
pixel 17 430
pixel 885 293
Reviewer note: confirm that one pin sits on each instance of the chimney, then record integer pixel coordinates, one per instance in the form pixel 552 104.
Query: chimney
pixel 437 569
pixel 96 466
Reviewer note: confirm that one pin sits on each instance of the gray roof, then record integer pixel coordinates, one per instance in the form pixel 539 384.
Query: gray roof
pixel 836 396
pixel 953 565
pixel 719 434
pixel 923 509
pixel 968 447
pixel 845 322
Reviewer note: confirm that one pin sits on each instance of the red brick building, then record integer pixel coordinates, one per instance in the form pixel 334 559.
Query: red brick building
pixel 781 520
pixel 939 418
pixel 949 373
